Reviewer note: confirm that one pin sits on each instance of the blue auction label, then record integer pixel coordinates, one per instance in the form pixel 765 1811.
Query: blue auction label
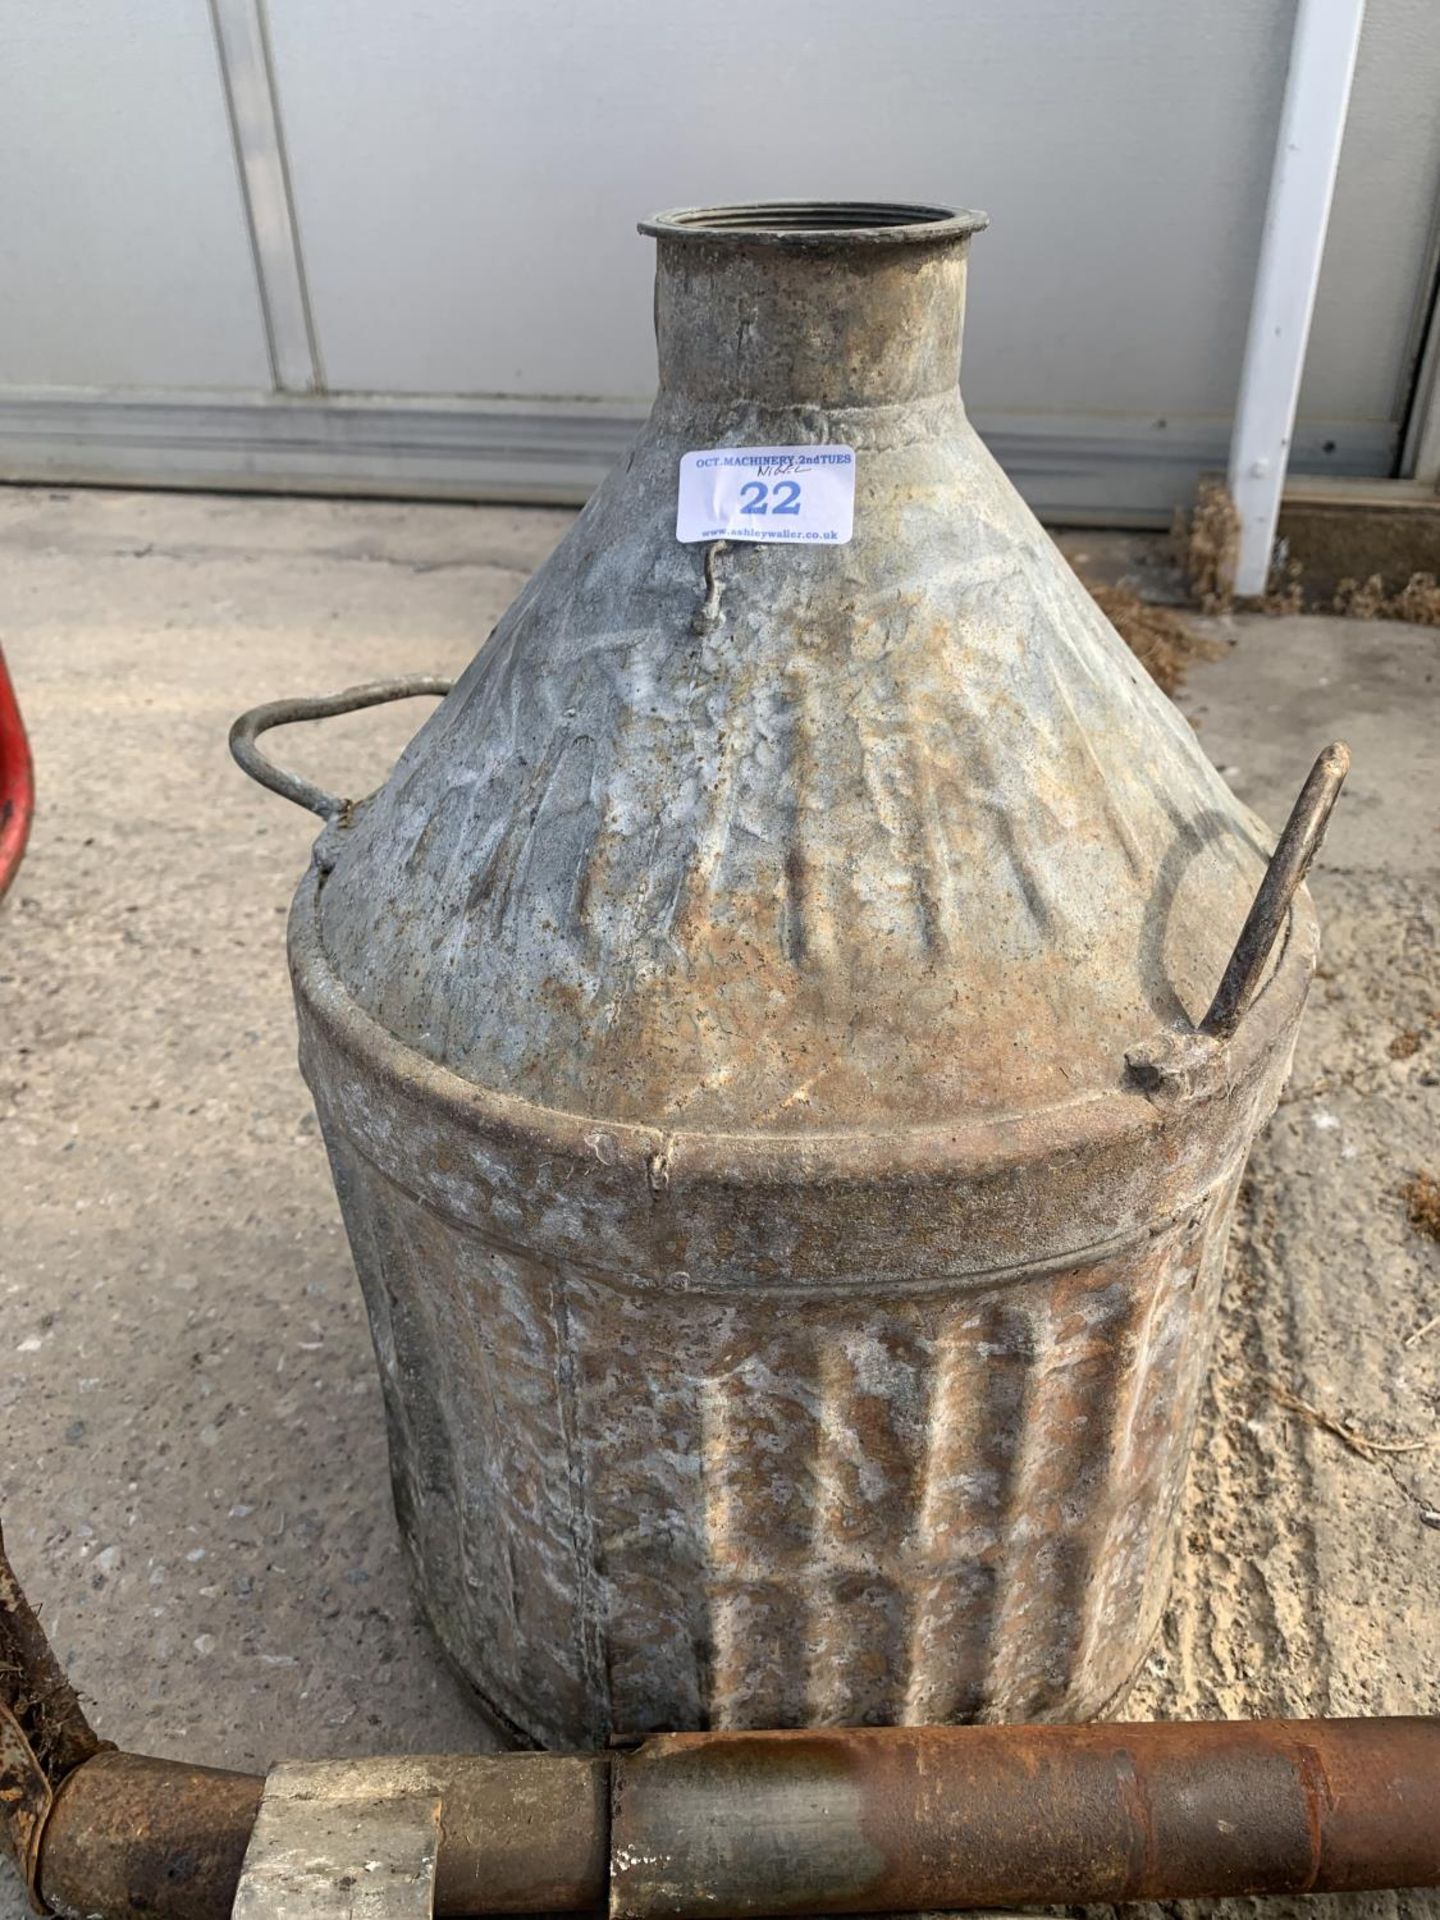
pixel 793 494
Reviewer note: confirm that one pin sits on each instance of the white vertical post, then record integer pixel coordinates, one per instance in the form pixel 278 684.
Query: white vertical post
pixel 1307 153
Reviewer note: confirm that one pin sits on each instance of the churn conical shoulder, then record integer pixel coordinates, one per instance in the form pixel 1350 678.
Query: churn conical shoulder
pixel 857 837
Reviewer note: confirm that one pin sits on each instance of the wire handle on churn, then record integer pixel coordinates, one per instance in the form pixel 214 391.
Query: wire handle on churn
pixel 1289 864
pixel 323 706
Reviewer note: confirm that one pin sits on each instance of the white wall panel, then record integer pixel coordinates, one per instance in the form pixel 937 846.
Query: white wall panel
pixel 124 251
pixel 467 174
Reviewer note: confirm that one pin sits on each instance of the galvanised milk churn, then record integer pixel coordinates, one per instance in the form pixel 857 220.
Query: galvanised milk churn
pixel 763 1035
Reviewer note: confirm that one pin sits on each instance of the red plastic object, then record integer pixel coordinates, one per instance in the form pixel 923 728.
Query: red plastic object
pixel 17 781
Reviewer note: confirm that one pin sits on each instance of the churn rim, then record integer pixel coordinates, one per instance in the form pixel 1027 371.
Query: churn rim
pixel 816 223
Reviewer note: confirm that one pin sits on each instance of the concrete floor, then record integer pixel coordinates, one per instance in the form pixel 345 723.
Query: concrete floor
pixel 192 1471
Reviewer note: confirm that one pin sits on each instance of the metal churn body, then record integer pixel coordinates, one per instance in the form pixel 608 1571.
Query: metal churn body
pixel 757 1030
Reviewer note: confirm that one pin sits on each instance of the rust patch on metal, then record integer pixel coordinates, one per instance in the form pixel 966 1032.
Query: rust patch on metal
pixel 130 1835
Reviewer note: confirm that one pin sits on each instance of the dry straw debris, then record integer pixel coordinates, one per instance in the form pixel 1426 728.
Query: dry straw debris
pixel 1161 639
pixel 1418 601
pixel 1208 542
pixel 1422 1203
pixel 1365 1444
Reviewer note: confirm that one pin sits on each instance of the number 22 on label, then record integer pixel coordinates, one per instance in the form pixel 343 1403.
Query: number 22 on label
pixel 757 497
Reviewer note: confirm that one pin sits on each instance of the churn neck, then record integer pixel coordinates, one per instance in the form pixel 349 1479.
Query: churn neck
pixel 810 304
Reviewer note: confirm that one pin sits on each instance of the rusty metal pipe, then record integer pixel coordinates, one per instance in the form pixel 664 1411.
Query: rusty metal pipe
pixel 523 1833
pixel 844 1821
pixel 908 1819
pixel 128 1834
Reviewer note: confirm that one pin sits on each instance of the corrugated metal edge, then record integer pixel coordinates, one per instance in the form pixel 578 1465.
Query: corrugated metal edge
pixel 1130 470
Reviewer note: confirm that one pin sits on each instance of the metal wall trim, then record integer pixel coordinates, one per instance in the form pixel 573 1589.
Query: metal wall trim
pixel 1118 470
pixel 243 48
pixel 1420 455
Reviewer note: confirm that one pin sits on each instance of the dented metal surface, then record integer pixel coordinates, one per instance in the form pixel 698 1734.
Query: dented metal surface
pixel 755 1034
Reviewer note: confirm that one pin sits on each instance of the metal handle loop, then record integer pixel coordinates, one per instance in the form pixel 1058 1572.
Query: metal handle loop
pixel 1290 862
pixel 324 706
